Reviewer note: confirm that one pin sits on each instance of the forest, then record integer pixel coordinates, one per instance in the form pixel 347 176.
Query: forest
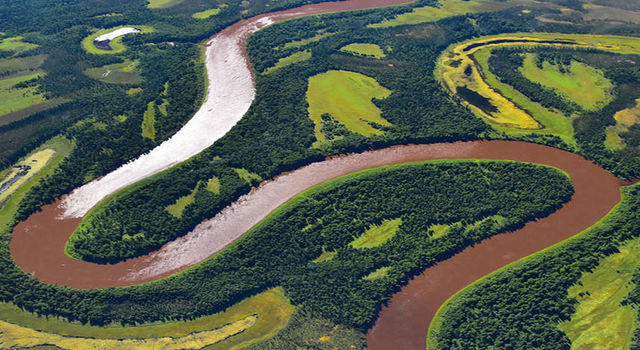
pixel 328 217
pixel 276 135
pixel 522 305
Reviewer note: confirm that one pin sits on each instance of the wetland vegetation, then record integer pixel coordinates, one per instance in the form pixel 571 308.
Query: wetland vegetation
pixel 325 85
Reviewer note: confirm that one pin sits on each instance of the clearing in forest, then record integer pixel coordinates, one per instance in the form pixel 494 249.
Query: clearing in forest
pixel 117 73
pixel 447 8
pixel 161 4
pixel 295 57
pixel 347 98
pixel 624 119
pixel 578 82
pixel 364 49
pixel 377 235
pixel 601 320
pixel 16 45
pixel 19 92
pixel 463 71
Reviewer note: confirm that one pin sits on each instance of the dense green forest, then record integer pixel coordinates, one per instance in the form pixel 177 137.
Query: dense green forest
pixel 500 196
pixel 520 307
pixel 282 141
pixel 276 135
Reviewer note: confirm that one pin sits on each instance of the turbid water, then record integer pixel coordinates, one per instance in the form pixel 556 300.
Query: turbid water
pixel 38 243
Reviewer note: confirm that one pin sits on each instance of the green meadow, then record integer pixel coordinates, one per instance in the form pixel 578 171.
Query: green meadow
pixel 117 73
pixel 16 45
pixel 347 97
pixel 206 13
pixel 377 235
pixel 17 98
pixel 295 57
pixel 580 83
pixel 364 49
pixel 601 320
pixel 148 121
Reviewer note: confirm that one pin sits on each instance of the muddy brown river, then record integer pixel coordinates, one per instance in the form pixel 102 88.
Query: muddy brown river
pixel 38 243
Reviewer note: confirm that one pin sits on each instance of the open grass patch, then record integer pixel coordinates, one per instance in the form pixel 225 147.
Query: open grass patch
pixel 377 274
pixel 16 45
pixel 117 73
pixel 347 97
pixel 161 4
pixel 300 43
pixel 116 44
pixel 20 64
pixel 578 82
pixel 177 208
pixel 149 121
pixel 213 185
pixel 206 13
pixel 364 49
pixel 325 256
pixel 377 235
pixel 624 119
pixel 446 8
pixel 295 57
pixel 600 319
pixel 20 92
pixel 251 320
pixel 248 176
pixel 466 65
pixel 134 91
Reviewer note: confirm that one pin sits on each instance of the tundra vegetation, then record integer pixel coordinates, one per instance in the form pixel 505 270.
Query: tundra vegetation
pixel 105 121
pixel 581 293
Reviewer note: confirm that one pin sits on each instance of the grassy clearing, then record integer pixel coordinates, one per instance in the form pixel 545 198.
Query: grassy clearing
pixel 600 320
pixel 62 148
pixel 303 42
pixel 624 119
pixel 582 84
pixel 251 320
pixel 371 50
pixel 19 64
pixel 213 185
pixel 377 235
pixel 149 121
pixel 514 113
pixel 16 45
pixel 379 273
pixel 116 44
pixel 347 97
pixel 15 99
pixel 295 57
pixel 177 208
pixel 325 256
pixel 553 122
pixel 447 8
pixel 439 230
pixel 134 91
pixel 248 176
pixel 206 13
pixel 36 162
pixel 117 73
pixel 161 4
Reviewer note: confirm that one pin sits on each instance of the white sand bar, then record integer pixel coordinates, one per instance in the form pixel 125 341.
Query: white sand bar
pixel 116 33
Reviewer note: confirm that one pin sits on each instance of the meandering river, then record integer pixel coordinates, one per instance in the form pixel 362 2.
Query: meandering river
pixel 38 243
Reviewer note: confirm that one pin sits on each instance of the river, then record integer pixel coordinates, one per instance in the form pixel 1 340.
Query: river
pixel 38 243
